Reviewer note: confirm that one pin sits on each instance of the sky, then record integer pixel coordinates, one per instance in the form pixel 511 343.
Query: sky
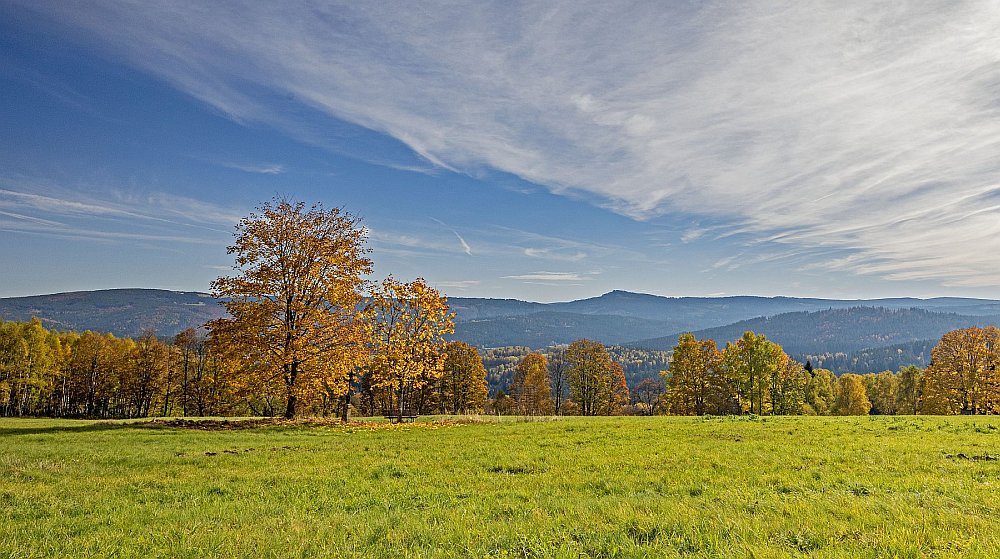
pixel 544 151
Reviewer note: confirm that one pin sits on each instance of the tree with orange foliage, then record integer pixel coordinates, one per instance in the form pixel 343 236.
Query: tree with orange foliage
pixel 963 376
pixel 596 383
pixel 530 387
pixel 618 395
pixel 294 302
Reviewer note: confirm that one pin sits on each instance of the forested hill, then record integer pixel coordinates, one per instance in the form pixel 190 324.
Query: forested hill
pixel 872 360
pixel 123 312
pixel 696 313
pixel 841 328
pixel 542 329
pixel 838 330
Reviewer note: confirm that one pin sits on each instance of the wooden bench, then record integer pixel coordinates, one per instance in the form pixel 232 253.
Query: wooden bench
pixel 407 415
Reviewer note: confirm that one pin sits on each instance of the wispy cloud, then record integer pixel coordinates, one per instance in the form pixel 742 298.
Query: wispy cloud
pixel 465 246
pixel 263 169
pixel 460 284
pixel 60 206
pixel 871 128
pixel 36 208
pixel 552 276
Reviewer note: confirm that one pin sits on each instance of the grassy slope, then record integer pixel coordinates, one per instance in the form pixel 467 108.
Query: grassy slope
pixel 603 487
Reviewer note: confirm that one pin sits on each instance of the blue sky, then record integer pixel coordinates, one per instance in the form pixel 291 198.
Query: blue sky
pixel 545 151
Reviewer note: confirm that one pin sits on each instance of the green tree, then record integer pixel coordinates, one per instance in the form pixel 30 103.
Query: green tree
pixel 908 393
pixel 882 389
pixel 789 397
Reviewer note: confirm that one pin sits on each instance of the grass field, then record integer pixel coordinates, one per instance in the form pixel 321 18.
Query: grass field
pixel 572 487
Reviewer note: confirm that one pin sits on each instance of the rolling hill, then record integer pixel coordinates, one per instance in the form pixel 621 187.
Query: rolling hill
pixel 542 329
pixel 123 312
pixel 837 330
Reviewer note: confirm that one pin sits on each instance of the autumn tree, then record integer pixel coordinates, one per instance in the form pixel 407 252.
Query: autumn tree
pixel 963 376
pixel 149 363
pixel 405 332
pixel 186 344
pixel 530 386
pixel 295 298
pixel 648 396
pixel 850 396
pixel 882 389
pixel 558 377
pixel 908 392
pixel 463 382
pixel 618 394
pixel 589 375
pixel 819 392
pixel 696 384
pixel 753 364
pixel 789 392
pixel 29 366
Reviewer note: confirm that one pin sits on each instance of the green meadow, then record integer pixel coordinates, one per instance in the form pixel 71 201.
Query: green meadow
pixel 881 487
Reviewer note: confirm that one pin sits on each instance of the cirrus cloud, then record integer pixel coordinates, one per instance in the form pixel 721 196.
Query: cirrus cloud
pixel 823 127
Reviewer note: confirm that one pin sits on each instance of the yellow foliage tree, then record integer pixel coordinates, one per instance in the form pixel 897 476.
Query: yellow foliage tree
pixel 294 301
pixel 695 381
pixel 754 366
pixel 589 375
pixel 850 396
pixel 819 394
pixel 963 376
pixel 405 333
pixel 530 386
pixel 463 386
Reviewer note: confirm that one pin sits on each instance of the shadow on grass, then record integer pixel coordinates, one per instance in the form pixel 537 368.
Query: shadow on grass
pixel 80 428
pixel 33 427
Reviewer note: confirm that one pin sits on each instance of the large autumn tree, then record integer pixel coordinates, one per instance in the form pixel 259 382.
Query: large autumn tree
pixel 850 396
pixel 964 374
pixel 295 297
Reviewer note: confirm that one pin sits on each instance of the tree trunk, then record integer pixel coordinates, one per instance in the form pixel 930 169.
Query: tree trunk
pixel 293 371
pixel 345 416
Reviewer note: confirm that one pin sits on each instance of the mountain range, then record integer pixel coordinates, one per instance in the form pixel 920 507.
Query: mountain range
pixel 862 332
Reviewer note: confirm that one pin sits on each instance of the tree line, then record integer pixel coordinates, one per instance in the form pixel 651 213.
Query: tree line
pixel 754 375
pixel 68 374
